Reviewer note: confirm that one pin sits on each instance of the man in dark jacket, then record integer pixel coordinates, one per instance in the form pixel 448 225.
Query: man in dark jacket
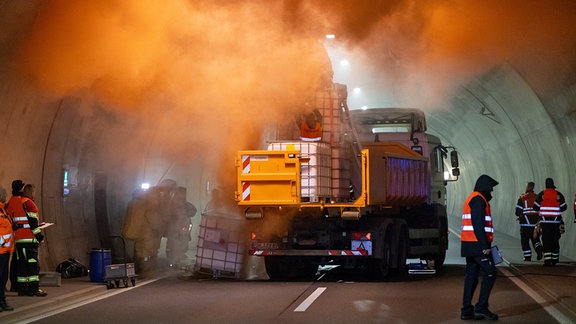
pixel 476 239
pixel 528 219
pixel 550 203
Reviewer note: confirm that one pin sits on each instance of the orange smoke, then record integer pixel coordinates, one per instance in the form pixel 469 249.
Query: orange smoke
pixel 232 67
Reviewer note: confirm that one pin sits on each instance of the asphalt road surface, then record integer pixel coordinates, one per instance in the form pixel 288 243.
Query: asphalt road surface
pixel 523 293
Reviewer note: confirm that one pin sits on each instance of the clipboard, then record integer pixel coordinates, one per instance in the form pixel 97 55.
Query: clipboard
pixel 44 225
pixel 496 255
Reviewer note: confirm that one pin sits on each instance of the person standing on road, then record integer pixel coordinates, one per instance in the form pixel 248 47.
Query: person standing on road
pixel 550 203
pixel 178 232
pixel 17 186
pixel 28 236
pixel 574 208
pixel 6 248
pixel 528 219
pixel 476 241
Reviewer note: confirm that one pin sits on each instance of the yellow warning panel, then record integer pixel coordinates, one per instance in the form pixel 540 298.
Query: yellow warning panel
pixel 268 178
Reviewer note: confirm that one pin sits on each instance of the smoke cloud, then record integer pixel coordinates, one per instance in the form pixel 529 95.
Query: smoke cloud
pixel 236 66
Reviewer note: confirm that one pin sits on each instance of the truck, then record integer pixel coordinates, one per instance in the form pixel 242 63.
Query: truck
pixel 368 196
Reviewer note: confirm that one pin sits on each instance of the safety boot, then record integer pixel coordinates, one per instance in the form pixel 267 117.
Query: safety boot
pixel 539 253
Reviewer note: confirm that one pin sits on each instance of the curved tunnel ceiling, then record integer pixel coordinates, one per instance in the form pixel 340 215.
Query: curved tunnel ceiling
pixel 513 119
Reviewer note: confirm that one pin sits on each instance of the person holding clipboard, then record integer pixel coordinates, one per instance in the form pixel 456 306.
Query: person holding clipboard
pixel 476 245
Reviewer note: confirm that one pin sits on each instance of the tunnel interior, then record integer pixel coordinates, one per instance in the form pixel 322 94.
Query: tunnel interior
pixel 511 118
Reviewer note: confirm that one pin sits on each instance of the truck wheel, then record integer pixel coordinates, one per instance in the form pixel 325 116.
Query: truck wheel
pixel 276 268
pixel 441 256
pixel 383 265
pixel 289 268
pixel 402 253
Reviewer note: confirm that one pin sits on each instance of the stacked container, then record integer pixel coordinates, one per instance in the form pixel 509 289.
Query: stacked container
pixel 221 246
pixel 315 168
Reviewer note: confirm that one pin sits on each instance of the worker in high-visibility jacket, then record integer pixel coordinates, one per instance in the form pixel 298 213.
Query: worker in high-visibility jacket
pixel 6 248
pixel 311 126
pixel 28 235
pixel 476 243
pixel 550 203
pixel 574 208
pixel 528 219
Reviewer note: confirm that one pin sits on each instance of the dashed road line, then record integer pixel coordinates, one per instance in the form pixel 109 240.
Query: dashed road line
pixel 553 311
pixel 308 301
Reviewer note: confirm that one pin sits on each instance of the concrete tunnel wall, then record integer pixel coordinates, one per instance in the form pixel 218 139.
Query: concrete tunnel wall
pixel 502 128
pixel 498 123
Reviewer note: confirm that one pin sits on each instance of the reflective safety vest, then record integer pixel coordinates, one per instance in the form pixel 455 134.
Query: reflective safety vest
pixel 20 216
pixel 550 207
pixel 530 216
pixel 467 233
pixel 310 134
pixel 6 234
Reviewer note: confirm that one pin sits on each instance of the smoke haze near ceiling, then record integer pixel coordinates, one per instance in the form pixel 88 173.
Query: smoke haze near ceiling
pixel 221 64
pixel 192 54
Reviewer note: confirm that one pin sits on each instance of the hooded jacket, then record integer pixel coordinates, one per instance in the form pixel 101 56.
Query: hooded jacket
pixel 478 205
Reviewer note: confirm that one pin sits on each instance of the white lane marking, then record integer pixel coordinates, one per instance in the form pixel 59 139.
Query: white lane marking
pixel 308 301
pixel 34 316
pixel 553 311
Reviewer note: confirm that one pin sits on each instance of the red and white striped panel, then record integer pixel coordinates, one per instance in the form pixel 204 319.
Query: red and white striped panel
pixel 347 252
pixel 245 184
pixel 245 163
pixel 309 252
pixel 245 190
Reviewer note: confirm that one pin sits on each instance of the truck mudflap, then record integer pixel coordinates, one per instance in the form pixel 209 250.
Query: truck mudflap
pixel 310 252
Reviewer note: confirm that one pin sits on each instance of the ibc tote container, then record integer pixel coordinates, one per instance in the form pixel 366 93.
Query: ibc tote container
pixel 221 245
pixel 314 173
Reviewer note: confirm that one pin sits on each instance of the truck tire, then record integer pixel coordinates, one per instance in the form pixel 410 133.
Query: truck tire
pixel 402 253
pixel 441 256
pixel 382 266
pixel 282 268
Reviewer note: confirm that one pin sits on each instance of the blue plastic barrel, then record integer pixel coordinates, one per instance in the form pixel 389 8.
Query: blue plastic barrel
pixel 99 259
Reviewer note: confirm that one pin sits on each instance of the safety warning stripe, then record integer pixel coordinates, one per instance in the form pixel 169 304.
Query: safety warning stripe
pixel 348 252
pixel 245 184
pixel 309 252
pixel 245 190
pixel 245 163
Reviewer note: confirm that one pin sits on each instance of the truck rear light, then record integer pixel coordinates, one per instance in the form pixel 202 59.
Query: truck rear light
pixel 361 236
pixel 362 242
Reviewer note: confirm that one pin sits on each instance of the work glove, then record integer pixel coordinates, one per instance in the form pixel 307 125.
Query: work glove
pixel 39 237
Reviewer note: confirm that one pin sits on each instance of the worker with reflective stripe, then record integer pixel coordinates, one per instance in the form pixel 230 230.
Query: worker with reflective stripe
pixel 476 240
pixel 574 208
pixel 550 203
pixel 24 213
pixel 6 248
pixel 528 219
pixel 311 126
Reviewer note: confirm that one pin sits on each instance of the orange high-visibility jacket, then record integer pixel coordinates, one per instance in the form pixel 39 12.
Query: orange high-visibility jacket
pixel 550 207
pixel 467 234
pixel 6 233
pixel 310 134
pixel 20 216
